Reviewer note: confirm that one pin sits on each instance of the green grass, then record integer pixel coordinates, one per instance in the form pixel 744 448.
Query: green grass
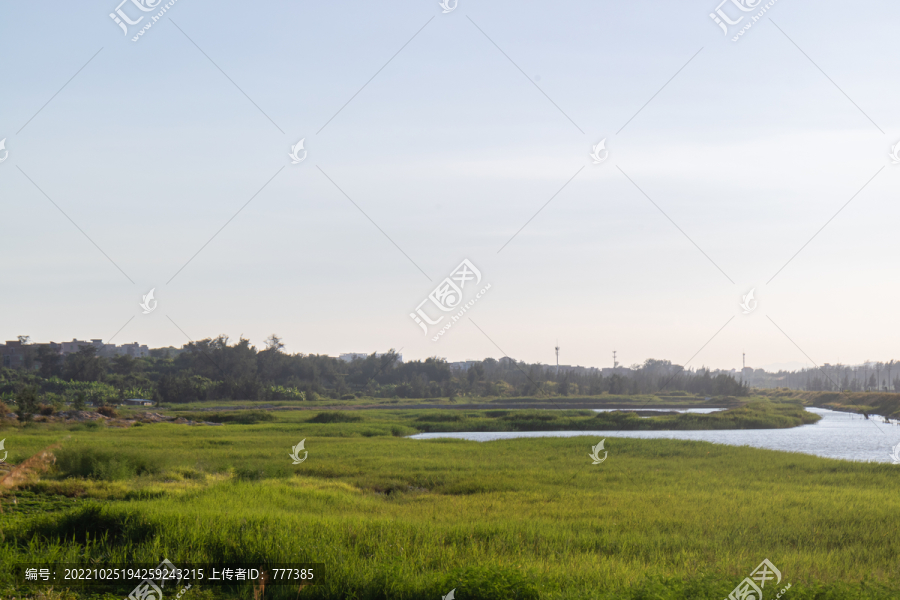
pixel 679 399
pixel 243 417
pixel 409 519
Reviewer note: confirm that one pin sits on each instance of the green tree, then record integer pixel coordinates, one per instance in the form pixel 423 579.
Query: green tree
pixel 50 362
pixel 85 365
pixel 26 403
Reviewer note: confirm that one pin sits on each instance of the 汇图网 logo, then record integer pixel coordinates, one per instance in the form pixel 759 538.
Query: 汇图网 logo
pixel 599 152
pixel 895 456
pixel 723 20
pixel 751 588
pixel 448 297
pixel 295 452
pixel 5 151
pixel 595 453
pixel 152 587
pixel 121 18
pixel 448 5
pixel 4 451
pixel 295 153
pixel 146 303
pixel 895 153
pixel 748 302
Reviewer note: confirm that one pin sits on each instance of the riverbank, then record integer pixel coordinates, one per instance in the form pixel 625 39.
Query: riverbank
pixel 873 404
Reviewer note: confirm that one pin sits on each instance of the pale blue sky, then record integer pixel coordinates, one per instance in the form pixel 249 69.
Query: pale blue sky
pixel 750 149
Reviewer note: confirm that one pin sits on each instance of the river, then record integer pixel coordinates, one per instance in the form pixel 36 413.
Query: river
pixel 836 435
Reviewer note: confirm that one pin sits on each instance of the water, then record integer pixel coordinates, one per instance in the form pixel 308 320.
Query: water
pixel 836 435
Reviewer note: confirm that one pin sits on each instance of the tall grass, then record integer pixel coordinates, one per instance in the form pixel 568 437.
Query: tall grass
pixel 524 518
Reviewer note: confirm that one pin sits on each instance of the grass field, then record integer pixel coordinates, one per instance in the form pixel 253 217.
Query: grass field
pixel 406 519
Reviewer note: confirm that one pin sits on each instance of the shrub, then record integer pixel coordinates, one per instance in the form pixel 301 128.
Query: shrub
pixel 440 417
pixel 108 411
pixel 240 417
pixel 335 417
pixel 90 522
pixel 278 392
pixel 108 465
pixel 348 397
pixel 402 431
pixel 78 401
pixel 46 410
pixel 26 403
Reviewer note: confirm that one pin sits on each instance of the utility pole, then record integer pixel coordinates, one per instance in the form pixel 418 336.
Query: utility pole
pixel 615 362
pixel 743 365
pixel 557 359
pixel 890 386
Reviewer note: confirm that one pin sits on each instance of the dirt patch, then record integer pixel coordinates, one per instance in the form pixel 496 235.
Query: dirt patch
pixel 30 469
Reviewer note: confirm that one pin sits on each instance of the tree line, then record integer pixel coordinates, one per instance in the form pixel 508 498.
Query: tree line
pixel 215 369
pixel 867 377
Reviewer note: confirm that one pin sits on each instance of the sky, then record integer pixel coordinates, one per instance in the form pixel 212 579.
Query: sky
pixel 433 137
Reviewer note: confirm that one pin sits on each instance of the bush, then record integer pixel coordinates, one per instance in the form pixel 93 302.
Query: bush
pixel 441 417
pixel 348 397
pixel 402 431
pixel 108 465
pixel 26 403
pixel 78 401
pixel 240 417
pixel 90 522
pixel 335 417
pixel 108 411
pixel 278 392
pixel 46 410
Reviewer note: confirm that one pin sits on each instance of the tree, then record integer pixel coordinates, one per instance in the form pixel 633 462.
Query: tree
pixel 616 384
pixel 273 342
pixel 124 365
pixel 26 403
pixel 475 373
pixel 50 362
pixel 85 365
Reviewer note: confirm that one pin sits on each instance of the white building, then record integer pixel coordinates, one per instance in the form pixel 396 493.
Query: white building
pixel 133 349
pixel 351 356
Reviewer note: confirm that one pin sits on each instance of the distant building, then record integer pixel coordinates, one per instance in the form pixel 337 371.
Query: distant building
pixel 13 354
pixel 351 356
pixel 133 349
pixel 610 371
pixel 577 369
pixel 463 365
pixel 137 402
pixel 76 345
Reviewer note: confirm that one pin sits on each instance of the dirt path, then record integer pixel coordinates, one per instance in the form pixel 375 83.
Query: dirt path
pixel 34 465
